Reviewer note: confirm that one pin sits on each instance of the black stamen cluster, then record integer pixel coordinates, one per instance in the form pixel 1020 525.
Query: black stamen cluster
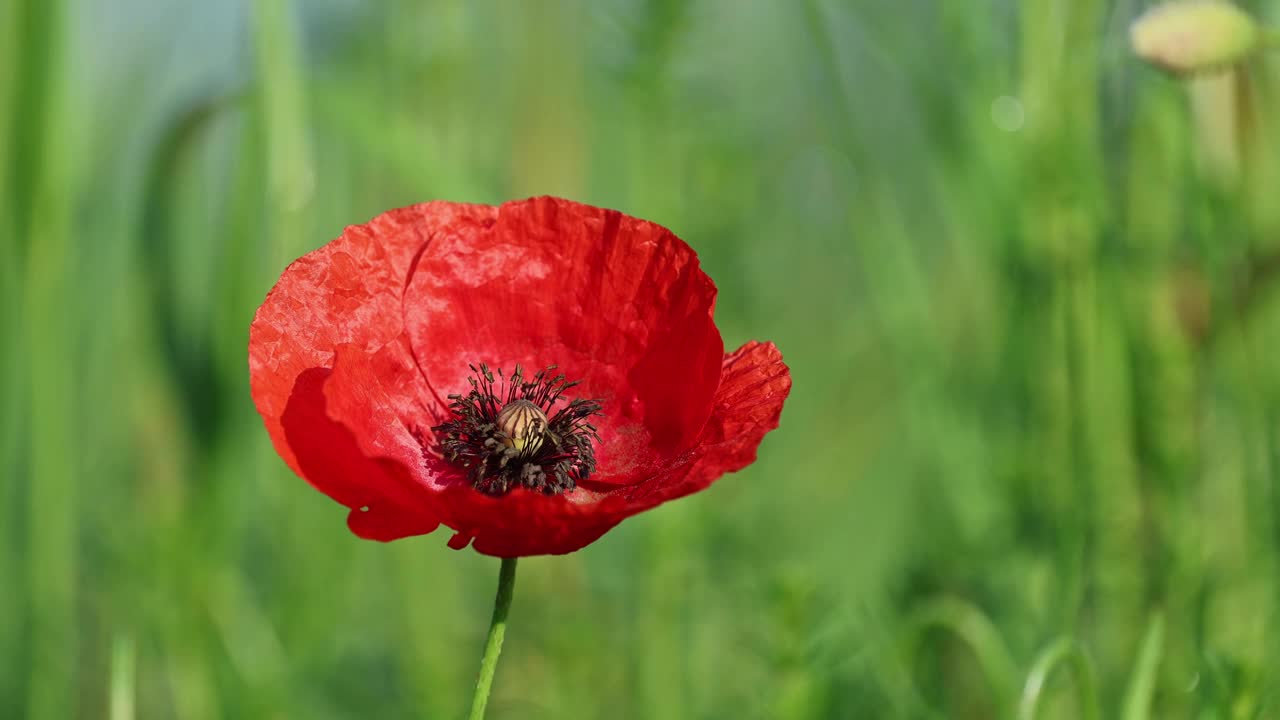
pixel 473 439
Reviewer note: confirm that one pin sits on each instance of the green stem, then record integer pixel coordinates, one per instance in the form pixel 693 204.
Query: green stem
pixel 497 630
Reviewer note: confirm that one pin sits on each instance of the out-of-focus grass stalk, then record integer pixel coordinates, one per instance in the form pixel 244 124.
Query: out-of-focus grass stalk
pixel 1248 356
pixel 51 329
pixel 1062 212
pixel 282 105
pixel 1270 420
pixel 1261 177
pixel 548 155
pixel 13 397
pixel 52 497
pixel 660 663
pixel 183 348
pixel 242 285
pixel 1217 107
pixel 657 28
pixel 1063 650
pixel 1169 451
pixel 194 694
pixel 1142 684
pixel 122 687
pixel 10 64
pixel 1259 137
pixel 1172 318
pixel 1163 309
pixel 250 642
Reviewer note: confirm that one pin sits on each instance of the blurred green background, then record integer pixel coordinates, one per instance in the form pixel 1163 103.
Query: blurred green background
pixel 1024 283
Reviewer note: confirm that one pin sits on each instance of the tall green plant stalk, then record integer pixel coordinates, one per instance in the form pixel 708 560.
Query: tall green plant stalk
pixel 11 63
pixel 1163 309
pixel 282 109
pixel 1063 211
pixel 1139 695
pixel 43 204
pixel 12 394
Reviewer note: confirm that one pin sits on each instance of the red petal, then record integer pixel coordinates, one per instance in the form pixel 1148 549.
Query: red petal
pixel 523 522
pixel 348 291
pixel 753 388
pixel 382 399
pixel 328 456
pixel 619 303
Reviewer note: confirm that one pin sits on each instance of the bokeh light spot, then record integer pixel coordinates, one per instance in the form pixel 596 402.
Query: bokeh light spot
pixel 1007 113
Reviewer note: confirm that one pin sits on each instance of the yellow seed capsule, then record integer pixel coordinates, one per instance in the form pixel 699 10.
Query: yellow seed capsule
pixel 524 424
pixel 1191 36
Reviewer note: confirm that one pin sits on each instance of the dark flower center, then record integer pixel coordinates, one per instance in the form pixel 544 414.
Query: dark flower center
pixel 507 433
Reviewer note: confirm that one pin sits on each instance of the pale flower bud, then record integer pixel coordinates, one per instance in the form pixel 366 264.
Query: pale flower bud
pixel 1192 36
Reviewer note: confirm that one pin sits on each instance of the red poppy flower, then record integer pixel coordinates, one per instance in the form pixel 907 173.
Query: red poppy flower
pixel 529 374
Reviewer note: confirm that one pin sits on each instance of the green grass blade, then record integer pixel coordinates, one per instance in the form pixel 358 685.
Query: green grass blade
pixel 1142 684
pixel 282 102
pixel 44 201
pixel 1062 650
pixel 123 684
pixel 974 629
